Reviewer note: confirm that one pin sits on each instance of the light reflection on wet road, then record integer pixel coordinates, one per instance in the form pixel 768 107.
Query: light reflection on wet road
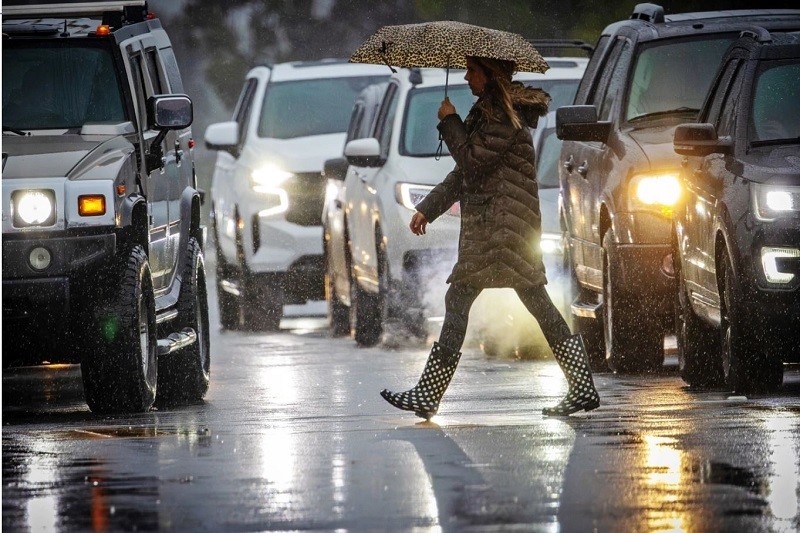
pixel 293 435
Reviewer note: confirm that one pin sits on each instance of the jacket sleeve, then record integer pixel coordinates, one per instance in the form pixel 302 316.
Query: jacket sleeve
pixel 444 195
pixel 480 152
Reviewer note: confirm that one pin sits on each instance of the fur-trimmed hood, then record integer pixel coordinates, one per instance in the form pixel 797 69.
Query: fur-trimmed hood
pixel 530 103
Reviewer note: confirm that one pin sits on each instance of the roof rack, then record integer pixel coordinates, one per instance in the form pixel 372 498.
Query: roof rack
pixel 553 44
pixel 130 10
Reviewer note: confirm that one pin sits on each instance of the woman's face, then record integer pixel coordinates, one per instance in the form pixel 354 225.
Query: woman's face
pixel 475 77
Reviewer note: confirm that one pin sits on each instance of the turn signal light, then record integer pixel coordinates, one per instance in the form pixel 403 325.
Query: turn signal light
pixel 91 205
pixel 103 29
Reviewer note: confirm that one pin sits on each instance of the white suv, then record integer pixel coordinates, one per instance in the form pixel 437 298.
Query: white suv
pixel 267 191
pixel 377 268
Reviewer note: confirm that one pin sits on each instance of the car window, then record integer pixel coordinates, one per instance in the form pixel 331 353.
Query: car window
pixel 310 107
pixel 242 113
pixel 776 103
pixel 151 58
pixel 719 90
pixel 618 75
pixel 420 138
pixel 591 68
pixel 59 86
pixel 356 123
pixel 385 122
pixel 547 160
pixel 674 75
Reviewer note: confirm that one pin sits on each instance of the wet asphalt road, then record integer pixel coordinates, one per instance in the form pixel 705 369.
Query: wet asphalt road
pixel 293 435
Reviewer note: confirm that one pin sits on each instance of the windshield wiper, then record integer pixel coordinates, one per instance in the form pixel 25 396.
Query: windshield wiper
pixel 657 114
pixel 15 130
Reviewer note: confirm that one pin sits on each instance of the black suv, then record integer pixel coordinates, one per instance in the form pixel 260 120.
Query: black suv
pixel 737 226
pixel 102 242
pixel 619 173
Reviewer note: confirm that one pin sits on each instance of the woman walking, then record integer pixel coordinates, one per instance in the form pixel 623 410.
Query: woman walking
pixel 495 181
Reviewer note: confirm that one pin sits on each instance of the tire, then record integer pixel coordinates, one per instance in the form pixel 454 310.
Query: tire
pixel 230 315
pixel 748 365
pixel 263 304
pixel 634 340
pixel 338 313
pixel 183 376
pixel 368 311
pixel 698 343
pixel 121 375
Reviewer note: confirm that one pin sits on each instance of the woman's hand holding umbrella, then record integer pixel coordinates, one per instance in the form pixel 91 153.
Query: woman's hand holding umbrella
pixel 446 108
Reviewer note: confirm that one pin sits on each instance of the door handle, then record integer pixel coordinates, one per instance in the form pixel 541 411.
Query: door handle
pixel 337 203
pixel 362 177
pixel 569 164
pixel 583 169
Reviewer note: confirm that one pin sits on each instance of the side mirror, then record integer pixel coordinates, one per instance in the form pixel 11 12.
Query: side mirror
pixel 579 123
pixel 700 140
pixel 222 135
pixel 169 112
pixel 363 152
pixel 335 169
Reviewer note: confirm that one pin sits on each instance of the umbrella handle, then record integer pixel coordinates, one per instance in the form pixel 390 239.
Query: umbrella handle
pixel 446 80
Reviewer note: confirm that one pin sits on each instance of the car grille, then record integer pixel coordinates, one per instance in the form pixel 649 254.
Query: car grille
pixel 306 197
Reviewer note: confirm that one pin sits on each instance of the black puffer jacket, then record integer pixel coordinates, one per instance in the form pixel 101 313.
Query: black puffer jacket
pixel 495 181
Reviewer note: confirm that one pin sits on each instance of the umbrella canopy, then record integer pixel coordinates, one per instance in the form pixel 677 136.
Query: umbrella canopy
pixel 445 44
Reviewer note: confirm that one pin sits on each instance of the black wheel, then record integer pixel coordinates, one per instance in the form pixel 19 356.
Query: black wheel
pixel 748 365
pixel 183 376
pixel 698 343
pixel 338 313
pixel 634 340
pixel 121 374
pixel 230 316
pixel 368 310
pixel 263 303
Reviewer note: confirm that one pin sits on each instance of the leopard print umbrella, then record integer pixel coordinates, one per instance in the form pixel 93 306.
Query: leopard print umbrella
pixel 445 44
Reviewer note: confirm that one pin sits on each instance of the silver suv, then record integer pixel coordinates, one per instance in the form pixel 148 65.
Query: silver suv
pixel 267 191
pixel 102 242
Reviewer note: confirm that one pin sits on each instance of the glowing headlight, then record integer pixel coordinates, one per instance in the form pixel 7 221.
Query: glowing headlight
pixel 659 190
pixel 551 243
pixel 266 178
pixel 410 194
pixel 33 208
pixel 769 260
pixel 773 201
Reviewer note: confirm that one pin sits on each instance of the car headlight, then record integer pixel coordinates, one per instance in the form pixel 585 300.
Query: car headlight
pixel 775 261
pixel 410 194
pixel 656 190
pixel 773 201
pixel 33 208
pixel 268 177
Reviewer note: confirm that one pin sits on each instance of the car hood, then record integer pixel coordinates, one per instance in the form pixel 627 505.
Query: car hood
pixel 657 145
pixel 302 154
pixel 775 164
pixel 51 156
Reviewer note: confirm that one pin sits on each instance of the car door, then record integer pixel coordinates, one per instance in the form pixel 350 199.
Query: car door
pixel 703 185
pixel 225 175
pixel 585 166
pixel 155 183
pixel 362 197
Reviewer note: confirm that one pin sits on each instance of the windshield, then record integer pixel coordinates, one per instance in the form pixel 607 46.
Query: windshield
pixel 63 86
pixel 420 138
pixel 674 76
pixel 776 104
pixel 310 107
pixel 547 160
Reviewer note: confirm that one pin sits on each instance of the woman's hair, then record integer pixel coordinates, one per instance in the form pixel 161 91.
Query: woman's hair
pixel 499 72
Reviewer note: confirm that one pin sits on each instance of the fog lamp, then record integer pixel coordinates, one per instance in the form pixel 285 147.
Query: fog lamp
pixel 40 258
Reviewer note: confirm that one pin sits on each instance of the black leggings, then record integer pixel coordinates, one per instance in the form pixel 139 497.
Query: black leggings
pixel 459 300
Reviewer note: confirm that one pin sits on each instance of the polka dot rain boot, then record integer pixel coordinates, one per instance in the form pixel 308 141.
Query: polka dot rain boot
pixel 424 398
pixel 574 362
